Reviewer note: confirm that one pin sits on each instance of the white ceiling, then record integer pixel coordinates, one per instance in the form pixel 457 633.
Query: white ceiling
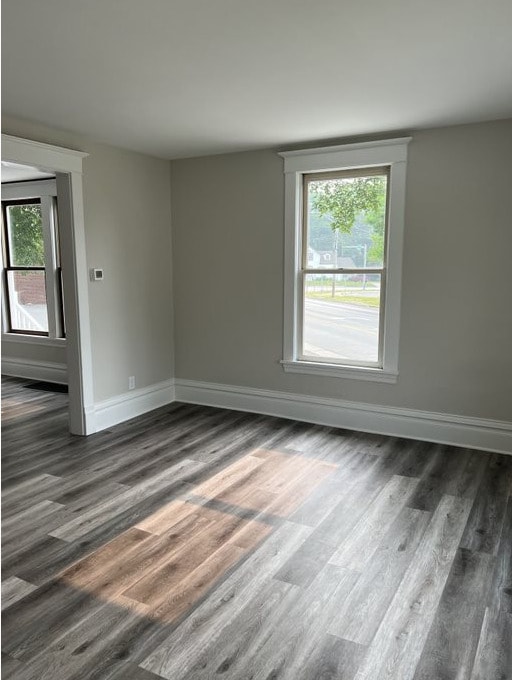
pixel 179 78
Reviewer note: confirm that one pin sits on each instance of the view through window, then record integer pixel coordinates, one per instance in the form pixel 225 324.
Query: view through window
pixel 26 286
pixel 31 262
pixel 343 266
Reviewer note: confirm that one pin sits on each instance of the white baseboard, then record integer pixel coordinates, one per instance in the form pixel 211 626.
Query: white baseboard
pixel 46 371
pixel 476 433
pixel 129 405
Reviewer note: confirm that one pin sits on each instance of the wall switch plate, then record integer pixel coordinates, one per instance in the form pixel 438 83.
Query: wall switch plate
pixel 131 382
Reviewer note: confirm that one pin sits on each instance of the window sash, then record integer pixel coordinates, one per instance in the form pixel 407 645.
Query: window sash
pixel 304 270
pixel 7 227
pixel 53 273
pixel 307 178
pixel 8 306
pixel 302 356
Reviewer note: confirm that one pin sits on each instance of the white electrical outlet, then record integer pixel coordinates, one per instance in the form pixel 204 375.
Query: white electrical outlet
pixel 131 382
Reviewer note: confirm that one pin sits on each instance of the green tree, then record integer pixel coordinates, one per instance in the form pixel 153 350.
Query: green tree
pixel 26 232
pixel 376 218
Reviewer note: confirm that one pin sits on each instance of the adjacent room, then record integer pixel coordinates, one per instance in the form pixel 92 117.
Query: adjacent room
pixel 256 332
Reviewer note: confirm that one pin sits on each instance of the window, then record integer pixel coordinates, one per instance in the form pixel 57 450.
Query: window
pixel 343 250
pixel 32 287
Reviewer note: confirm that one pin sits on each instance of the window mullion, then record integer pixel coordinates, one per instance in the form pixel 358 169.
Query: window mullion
pixel 355 270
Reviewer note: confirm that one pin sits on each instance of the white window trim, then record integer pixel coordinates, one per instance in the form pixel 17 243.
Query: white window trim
pixel 42 340
pixel 392 152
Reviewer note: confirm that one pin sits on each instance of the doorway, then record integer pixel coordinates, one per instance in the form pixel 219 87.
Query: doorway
pixel 66 166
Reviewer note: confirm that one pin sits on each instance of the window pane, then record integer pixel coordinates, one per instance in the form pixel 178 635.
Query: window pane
pixel 341 317
pixel 25 235
pixel 27 301
pixel 346 222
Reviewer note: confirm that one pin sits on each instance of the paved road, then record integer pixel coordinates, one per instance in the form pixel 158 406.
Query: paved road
pixel 341 331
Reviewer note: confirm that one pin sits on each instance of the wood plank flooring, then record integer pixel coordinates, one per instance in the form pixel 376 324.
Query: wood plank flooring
pixel 200 543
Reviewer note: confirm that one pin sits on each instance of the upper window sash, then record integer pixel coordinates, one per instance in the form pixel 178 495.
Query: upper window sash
pixel 307 178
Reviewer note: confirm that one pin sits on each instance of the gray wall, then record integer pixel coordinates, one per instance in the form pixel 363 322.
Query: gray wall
pixel 37 352
pixel 127 224
pixel 456 328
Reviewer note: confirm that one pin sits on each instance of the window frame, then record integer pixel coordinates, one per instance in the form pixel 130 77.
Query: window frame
pixel 43 192
pixel 390 153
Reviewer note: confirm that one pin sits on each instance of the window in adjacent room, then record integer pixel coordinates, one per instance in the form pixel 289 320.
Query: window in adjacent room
pixel 344 228
pixel 32 287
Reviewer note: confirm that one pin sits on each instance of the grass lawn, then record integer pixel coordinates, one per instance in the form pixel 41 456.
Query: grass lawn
pixel 348 298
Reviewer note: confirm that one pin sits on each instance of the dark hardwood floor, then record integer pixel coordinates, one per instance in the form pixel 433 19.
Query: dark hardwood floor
pixel 203 543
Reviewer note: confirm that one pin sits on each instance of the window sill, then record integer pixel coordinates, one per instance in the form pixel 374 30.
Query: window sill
pixel 33 340
pixel 336 371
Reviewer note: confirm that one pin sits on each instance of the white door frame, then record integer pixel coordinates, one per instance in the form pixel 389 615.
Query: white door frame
pixel 67 164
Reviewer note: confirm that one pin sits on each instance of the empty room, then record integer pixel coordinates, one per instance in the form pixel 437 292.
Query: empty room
pixel 256 340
